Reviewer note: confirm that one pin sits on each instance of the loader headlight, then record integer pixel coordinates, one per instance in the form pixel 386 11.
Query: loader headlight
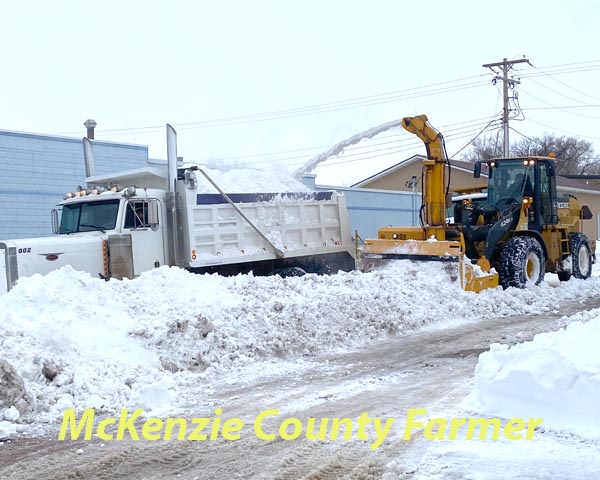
pixel 394 236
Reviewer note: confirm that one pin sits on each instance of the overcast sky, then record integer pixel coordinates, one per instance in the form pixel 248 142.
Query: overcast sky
pixel 131 65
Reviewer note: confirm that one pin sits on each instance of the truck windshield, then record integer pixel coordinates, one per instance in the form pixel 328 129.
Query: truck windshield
pixel 89 216
pixel 509 182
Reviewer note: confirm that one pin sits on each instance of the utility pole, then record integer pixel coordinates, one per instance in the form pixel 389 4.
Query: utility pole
pixel 502 75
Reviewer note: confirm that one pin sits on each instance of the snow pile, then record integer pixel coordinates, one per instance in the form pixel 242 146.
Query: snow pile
pixel 70 340
pixel 556 376
pixel 247 180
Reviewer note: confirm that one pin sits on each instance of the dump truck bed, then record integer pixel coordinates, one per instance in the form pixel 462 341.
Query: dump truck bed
pixel 298 224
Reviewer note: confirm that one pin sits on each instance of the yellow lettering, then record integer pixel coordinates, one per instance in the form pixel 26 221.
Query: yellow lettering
pixel 214 432
pixel 363 421
pixel 101 431
pixel 296 429
pixel 181 431
pixel 151 426
pixel 310 429
pixel 410 421
pixel 483 424
pixel 513 426
pixel 381 433
pixel 339 422
pixel 258 424
pixel 429 434
pixel 127 423
pixel 70 421
pixel 230 427
pixel 455 424
pixel 197 434
pixel 531 424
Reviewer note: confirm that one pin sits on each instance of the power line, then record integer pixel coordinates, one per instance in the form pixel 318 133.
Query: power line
pixel 565 84
pixel 475 137
pixel 556 91
pixel 371 146
pixel 559 108
pixel 358 102
pixel 410 145
pixel 578 134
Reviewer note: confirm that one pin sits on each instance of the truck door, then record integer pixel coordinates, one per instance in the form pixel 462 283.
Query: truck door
pixel 144 222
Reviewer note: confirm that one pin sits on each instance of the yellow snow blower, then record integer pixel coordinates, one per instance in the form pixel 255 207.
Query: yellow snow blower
pixel 517 235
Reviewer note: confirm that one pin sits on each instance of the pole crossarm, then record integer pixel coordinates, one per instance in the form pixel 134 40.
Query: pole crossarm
pixel 504 68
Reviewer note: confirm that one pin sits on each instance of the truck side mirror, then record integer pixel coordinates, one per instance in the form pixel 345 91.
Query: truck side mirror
pixel 153 214
pixel 54 219
pixel 477 170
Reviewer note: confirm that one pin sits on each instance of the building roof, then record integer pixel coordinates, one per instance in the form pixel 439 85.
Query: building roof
pixel 456 164
pixel 567 183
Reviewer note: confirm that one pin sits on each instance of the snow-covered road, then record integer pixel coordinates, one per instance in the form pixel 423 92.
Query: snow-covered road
pixel 392 372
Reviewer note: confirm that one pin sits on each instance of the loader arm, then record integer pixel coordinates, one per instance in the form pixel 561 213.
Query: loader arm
pixel 434 181
pixel 434 240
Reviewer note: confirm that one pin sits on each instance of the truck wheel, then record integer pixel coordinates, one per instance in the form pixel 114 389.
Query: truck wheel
pixel 581 255
pixel 291 272
pixel 521 263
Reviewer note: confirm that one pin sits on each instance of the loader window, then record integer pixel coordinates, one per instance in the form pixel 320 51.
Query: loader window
pixel 547 211
pixel 98 215
pixel 510 182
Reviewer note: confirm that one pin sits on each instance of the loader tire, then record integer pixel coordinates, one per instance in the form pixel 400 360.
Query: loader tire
pixel 581 255
pixel 521 263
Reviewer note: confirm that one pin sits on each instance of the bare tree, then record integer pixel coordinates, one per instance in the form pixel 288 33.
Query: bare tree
pixel 484 149
pixel 573 156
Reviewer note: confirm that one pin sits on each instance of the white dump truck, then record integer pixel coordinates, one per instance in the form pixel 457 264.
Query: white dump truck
pixel 128 223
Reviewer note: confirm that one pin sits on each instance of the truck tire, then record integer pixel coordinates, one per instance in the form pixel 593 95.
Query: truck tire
pixel 581 255
pixel 291 272
pixel 521 263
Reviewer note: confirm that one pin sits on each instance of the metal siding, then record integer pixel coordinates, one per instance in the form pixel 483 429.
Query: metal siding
pixel 370 210
pixel 37 170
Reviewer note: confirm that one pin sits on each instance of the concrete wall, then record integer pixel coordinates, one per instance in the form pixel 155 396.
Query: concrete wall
pixel 37 170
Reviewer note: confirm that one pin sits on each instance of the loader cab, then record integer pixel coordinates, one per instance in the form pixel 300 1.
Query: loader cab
pixel 514 181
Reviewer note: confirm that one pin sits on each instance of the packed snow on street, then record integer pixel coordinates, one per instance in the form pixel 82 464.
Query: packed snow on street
pixel 169 341
pixel 350 345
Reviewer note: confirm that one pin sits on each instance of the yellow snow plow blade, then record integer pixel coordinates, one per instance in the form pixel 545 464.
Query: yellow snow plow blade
pixel 473 278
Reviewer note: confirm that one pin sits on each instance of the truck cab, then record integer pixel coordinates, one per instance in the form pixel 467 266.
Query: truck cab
pixel 133 218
